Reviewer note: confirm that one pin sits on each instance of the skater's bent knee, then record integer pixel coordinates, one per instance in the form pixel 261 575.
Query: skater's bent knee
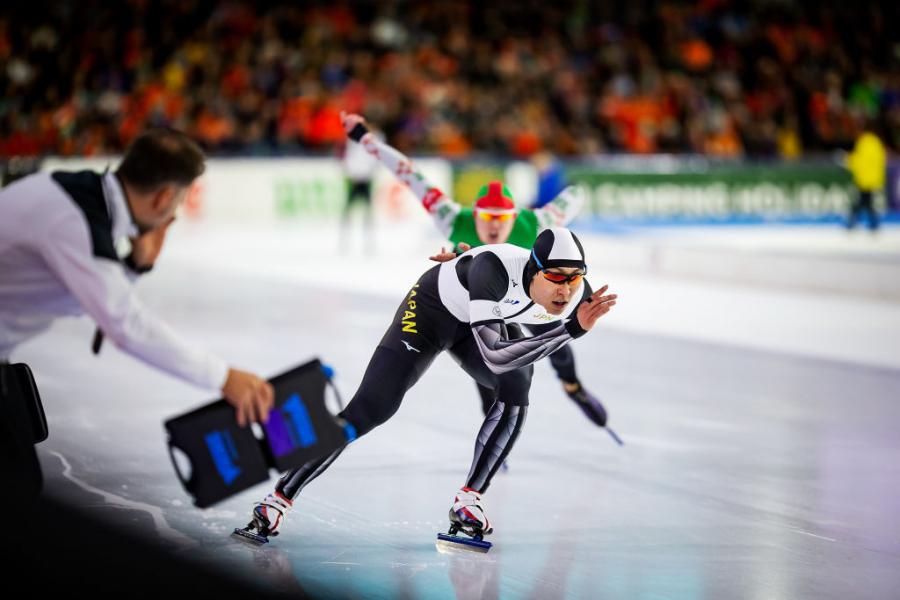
pixel 366 415
pixel 514 386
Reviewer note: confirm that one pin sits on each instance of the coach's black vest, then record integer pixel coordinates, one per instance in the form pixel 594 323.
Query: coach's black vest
pixel 85 188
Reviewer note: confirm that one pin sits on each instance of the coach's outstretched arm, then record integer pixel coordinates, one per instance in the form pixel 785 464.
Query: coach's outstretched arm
pixel 104 291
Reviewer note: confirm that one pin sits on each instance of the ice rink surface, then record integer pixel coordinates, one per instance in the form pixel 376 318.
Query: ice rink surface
pixel 760 427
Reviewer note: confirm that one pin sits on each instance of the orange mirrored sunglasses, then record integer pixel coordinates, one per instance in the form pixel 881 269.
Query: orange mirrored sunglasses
pixel 561 278
pixel 486 216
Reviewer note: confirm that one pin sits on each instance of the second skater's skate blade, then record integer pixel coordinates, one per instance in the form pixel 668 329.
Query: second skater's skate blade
pixel 245 535
pixel 453 543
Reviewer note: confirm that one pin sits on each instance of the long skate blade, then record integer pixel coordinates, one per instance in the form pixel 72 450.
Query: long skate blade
pixel 449 544
pixel 245 535
pixel 614 436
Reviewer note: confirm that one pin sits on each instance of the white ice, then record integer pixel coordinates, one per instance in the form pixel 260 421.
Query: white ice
pixel 759 420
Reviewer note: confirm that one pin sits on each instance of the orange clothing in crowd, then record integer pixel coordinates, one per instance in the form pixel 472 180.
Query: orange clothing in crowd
pixel 696 54
pixel 294 118
pixel 325 126
pixel 725 144
pixel 525 143
pixel 213 129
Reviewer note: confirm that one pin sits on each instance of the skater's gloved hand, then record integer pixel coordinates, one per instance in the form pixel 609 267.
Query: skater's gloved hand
pixel 354 126
pixel 444 255
pixel 145 248
pixel 252 397
pixel 595 307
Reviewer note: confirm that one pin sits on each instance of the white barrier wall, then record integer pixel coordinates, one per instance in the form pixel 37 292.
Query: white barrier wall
pixel 297 192
pixel 268 191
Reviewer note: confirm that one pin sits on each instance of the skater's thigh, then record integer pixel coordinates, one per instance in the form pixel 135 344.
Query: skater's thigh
pixel 419 331
pixel 512 387
pixel 388 377
pixel 465 352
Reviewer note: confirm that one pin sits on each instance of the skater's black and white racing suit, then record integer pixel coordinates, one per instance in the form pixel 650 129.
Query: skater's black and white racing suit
pixel 470 306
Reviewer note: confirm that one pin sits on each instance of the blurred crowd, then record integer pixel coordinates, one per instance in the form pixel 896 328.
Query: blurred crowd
pixel 455 78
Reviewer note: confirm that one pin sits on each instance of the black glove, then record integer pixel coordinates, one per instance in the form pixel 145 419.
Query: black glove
pixel 358 131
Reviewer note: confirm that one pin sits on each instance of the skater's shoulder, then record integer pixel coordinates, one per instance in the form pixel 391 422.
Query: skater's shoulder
pixel 481 268
pixel 504 252
pixel 497 255
pixel 504 259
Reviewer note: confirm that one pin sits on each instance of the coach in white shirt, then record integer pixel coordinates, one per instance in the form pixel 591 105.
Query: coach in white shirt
pixel 58 239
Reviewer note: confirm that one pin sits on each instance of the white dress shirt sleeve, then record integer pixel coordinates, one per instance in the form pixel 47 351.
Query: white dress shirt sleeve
pixel 105 293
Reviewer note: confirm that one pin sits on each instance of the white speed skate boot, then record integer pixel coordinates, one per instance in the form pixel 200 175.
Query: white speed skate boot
pixel 268 517
pixel 466 515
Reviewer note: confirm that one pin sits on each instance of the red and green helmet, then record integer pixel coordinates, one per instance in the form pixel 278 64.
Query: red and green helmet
pixel 494 198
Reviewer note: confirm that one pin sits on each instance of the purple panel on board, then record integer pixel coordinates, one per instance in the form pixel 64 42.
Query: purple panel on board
pixel 278 435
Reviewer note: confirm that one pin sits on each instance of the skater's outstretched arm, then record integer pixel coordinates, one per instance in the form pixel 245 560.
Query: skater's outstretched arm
pixel 488 283
pixel 561 210
pixel 502 354
pixel 441 208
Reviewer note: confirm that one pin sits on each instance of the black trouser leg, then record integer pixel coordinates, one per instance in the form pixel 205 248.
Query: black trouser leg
pixel 20 470
pixel 358 192
pixel 862 202
pixel 867 204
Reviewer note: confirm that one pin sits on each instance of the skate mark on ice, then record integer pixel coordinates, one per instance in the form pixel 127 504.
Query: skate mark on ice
pixel 159 521
pixel 810 534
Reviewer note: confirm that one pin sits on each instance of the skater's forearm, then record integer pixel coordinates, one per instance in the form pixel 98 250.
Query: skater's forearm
pixel 397 162
pixel 439 206
pixel 563 209
pixel 502 354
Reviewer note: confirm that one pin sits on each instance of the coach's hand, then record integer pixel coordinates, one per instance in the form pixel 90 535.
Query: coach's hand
pixel 595 307
pixel 252 397
pixel 145 248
